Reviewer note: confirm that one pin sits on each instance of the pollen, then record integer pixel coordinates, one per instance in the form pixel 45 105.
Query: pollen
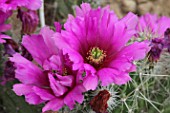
pixel 96 55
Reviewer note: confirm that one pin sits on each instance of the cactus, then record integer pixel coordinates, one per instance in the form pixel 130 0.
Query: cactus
pixel 163 65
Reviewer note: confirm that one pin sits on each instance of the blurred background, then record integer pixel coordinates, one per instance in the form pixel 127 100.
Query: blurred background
pixel 145 94
pixel 58 10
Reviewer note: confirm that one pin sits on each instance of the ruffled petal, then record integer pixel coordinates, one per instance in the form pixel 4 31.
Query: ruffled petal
pixel 90 82
pixel 12 5
pixel 87 75
pixel 27 72
pixel 28 92
pixel 45 94
pixel 54 105
pixel 36 46
pixel 163 24
pixel 123 63
pixel 49 39
pixel 53 63
pixel 57 26
pixel 109 76
pixel 119 40
pixel 56 87
pixel 85 8
pixel 33 98
pixel 2 37
pixel 130 20
pixel 74 95
pixel 34 4
pixel 105 76
pixel 4 16
pixel 66 80
pixel 26 89
pixel 122 78
pixel 4 27
pixel 136 51
pixel 75 57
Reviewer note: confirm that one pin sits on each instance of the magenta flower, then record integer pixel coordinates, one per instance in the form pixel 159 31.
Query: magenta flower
pixel 57 26
pixel 167 39
pixel 4 27
pixel 153 26
pixel 8 73
pixel 157 46
pixel 10 48
pixel 2 37
pixel 29 20
pixel 51 80
pixel 7 5
pixel 96 41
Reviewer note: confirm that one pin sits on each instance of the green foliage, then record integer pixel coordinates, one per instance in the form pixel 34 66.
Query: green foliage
pixel 11 103
pixel 1 59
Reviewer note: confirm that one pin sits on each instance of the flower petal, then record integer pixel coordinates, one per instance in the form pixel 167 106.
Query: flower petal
pixel 90 82
pixel 2 36
pixel 56 87
pixel 137 50
pixel 49 39
pixel 130 20
pixel 74 95
pixel 109 75
pixel 26 89
pixel 75 57
pixel 4 27
pixel 58 27
pixel 34 99
pixel 28 92
pixel 66 80
pixel 36 46
pixel 27 72
pixel 53 63
pixel 124 64
pixel 54 105
pixel 44 94
pixel 85 8
pixel 34 4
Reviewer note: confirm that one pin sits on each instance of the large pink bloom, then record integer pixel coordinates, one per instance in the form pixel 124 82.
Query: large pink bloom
pixel 96 41
pixel 4 27
pixel 6 5
pixel 51 79
pixel 152 26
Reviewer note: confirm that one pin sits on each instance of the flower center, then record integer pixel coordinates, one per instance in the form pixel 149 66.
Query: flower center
pixel 96 55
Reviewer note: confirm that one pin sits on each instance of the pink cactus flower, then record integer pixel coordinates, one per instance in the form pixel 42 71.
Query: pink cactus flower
pixel 51 79
pixel 97 42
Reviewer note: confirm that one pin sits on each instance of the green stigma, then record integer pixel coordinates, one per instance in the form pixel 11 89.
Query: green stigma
pixel 96 55
pixel 96 52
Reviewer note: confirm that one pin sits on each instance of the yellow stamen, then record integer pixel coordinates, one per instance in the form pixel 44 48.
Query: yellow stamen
pixel 96 55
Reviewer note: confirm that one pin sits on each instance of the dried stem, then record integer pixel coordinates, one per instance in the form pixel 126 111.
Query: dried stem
pixel 42 16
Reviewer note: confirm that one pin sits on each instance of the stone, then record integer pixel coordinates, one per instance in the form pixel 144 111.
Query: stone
pixel 141 1
pixel 129 5
pixel 145 8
